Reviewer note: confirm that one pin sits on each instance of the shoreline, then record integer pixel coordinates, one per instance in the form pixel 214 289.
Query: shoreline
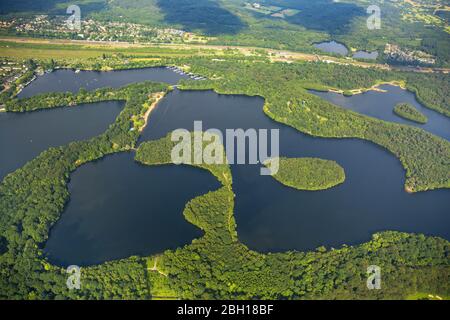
pixel 158 96
pixel 375 87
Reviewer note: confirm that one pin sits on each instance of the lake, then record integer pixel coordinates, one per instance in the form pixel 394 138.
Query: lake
pixel 332 47
pixel 339 48
pixel 381 105
pixel 365 55
pixel 68 80
pixel 272 217
pixel 120 208
pixel 23 136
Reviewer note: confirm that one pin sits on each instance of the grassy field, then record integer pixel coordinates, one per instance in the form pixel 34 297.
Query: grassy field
pixel 28 48
pixel 293 25
pixel 27 53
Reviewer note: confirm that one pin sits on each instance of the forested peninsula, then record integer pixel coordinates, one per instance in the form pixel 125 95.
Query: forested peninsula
pixel 424 156
pixel 218 265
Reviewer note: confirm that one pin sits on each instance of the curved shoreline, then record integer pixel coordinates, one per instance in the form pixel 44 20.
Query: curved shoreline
pixel 375 87
pixel 158 97
pixel 279 55
pixel 304 174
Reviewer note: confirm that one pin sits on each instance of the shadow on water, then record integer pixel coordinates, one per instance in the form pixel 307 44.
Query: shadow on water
pixel 205 15
pixel 271 217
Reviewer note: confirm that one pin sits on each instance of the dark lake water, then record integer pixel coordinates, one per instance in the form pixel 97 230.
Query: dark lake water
pixel 366 55
pixel 68 80
pixel 120 208
pixel 332 47
pixel 381 105
pixel 271 217
pixel 23 136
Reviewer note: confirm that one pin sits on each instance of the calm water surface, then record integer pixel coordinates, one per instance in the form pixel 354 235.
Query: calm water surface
pixel 381 105
pixel 120 208
pixel 366 55
pixel 332 47
pixel 68 80
pixel 271 217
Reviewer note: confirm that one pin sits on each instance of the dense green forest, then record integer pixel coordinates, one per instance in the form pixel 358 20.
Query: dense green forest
pixel 217 265
pixel 33 197
pixel 205 15
pixel 57 99
pixel 309 173
pixel 158 153
pixel 281 24
pixel 409 112
pixel 425 157
pixel 225 268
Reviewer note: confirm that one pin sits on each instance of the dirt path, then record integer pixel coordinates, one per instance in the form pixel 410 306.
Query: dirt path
pixel 277 55
pixel 155 268
pixel 375 87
